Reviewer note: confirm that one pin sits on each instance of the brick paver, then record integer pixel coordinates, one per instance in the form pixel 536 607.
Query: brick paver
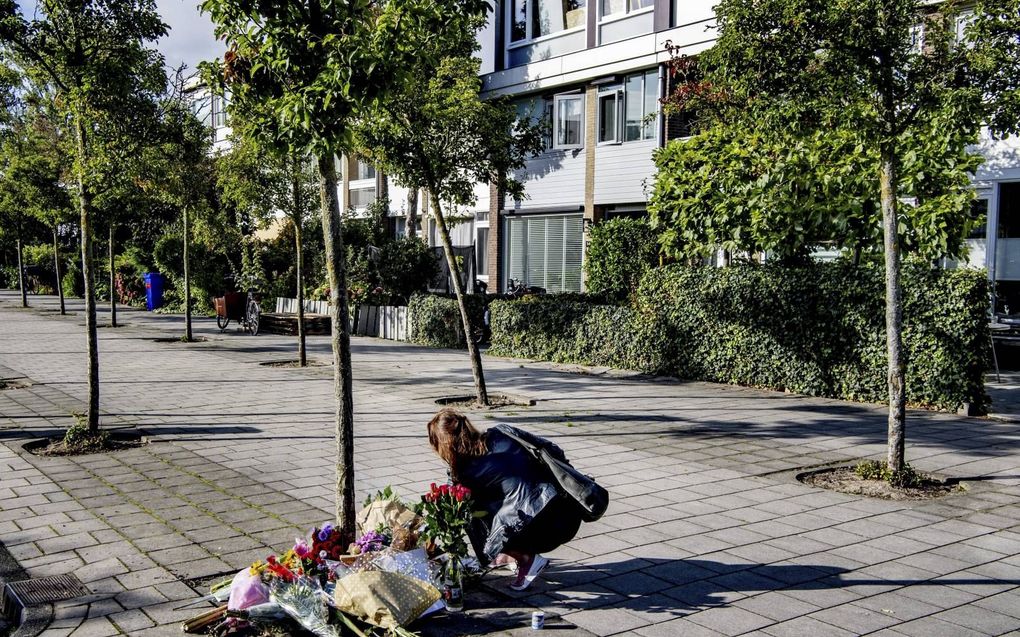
pixel 708 532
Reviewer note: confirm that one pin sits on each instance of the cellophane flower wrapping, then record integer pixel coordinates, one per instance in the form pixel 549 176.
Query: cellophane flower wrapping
pixel 247 590
pixel 304 600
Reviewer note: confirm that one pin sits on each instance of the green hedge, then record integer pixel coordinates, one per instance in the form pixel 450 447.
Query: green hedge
pixel 435 319
pixel 816 330
pixel 620 251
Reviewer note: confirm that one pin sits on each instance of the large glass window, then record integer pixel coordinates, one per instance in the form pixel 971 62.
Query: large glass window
pixel 482 252
pixel 627 112
pixel 568 122
pixel 219 111
pixel 546 17
pixel 546 251
pixel 641 96
pixel 362 197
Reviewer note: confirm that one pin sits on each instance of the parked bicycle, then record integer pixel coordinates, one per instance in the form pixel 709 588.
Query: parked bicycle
pixel 243 309
pixel 515 289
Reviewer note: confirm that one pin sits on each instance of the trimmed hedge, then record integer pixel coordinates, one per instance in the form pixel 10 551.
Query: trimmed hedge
pixel 620 251
pixel 434 319
pixel 817 330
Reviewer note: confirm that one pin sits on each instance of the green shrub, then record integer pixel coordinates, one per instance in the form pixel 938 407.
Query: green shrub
pixel 620 251
pixel 9 276
pixel 572 329
pixel 434 320
pixel 817 330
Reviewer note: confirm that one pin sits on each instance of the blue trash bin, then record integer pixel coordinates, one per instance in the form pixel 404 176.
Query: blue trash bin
pixel 153 290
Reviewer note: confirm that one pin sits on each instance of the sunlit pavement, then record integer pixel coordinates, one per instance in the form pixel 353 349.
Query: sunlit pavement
pixel 709 532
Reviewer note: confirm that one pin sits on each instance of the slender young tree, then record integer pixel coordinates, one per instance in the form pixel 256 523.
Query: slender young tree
pixel 44 170
pixel 176 167
pixel 878 97
pixel 436 133
pixel 258 183
pixel 302 72
pixel 94 55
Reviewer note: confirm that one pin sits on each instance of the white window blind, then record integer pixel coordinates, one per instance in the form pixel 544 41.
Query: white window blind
pixel 546 251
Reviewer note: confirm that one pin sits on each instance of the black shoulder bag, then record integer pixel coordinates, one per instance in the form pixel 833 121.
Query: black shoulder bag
pixel 592 498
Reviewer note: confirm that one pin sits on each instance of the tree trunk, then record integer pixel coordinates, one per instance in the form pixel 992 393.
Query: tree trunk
pixel 332 233
pixel 476 358
pixel 187 283
pixel 21 273
pixel 299 263
pixel 411 222
pixel 88 273
pixel 113 283
pixel 893 313
pixel 56 269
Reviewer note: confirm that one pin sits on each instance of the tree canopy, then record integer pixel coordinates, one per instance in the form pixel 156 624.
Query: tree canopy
pixel 793 106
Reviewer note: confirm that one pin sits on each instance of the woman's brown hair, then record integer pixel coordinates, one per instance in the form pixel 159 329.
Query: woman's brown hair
pixel 454 438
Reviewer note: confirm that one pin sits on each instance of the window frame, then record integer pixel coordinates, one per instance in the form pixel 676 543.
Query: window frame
pixel 616 90
pixel 626 13
pixel 529 37
pixel 648 77
pixel 557 100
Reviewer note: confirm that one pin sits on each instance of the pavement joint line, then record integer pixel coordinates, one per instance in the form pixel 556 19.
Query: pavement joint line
pixel 149 512
pixel 925 515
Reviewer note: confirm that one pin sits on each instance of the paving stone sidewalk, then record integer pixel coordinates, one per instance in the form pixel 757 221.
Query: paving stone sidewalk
pixel 708 533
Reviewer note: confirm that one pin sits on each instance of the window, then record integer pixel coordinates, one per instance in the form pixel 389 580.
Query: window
pixel 626 113
pixel 363 170
pixel 979 212
pixel 482 252
pixel 219 112
pixel 362 197
pixel 547 17
pixel 619 7
pixel 568 121
pixel 609 114
pixel 963 22
pixel 546 251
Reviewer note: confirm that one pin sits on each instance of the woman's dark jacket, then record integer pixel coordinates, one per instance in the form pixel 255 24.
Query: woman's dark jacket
pixel 509 484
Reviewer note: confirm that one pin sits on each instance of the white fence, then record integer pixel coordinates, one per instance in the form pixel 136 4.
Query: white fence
pixel 383 321
pixel 289 306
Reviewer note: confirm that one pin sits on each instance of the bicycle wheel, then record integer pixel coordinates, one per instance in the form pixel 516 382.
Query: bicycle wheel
pixel 222 322
pixel 252 318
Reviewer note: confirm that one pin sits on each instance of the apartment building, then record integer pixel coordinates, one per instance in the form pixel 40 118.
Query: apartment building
pixel 595 72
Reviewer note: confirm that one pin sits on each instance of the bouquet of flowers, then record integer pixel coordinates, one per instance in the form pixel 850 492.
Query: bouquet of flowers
pixel 447 512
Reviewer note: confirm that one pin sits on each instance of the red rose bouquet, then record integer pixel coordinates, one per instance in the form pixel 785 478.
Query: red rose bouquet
pixel 447 512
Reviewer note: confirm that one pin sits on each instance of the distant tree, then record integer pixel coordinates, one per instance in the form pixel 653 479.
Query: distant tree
pixel 829 119
pixel 94 56
pixel 434 132
pixel 178 169
pixel 45 171
pixel 259 183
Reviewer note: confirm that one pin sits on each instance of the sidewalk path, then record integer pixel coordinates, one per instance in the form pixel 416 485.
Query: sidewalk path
pixel 708 533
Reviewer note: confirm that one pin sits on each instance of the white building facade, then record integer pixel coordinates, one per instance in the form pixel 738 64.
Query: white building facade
pixel 595 70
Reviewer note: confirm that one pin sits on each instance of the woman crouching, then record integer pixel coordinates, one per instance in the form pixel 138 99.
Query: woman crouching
pixel 525 514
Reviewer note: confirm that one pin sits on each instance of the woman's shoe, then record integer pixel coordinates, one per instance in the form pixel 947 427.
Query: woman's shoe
pixel 537 566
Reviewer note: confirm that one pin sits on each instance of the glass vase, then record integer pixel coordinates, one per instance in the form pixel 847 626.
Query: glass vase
pixel 453 585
